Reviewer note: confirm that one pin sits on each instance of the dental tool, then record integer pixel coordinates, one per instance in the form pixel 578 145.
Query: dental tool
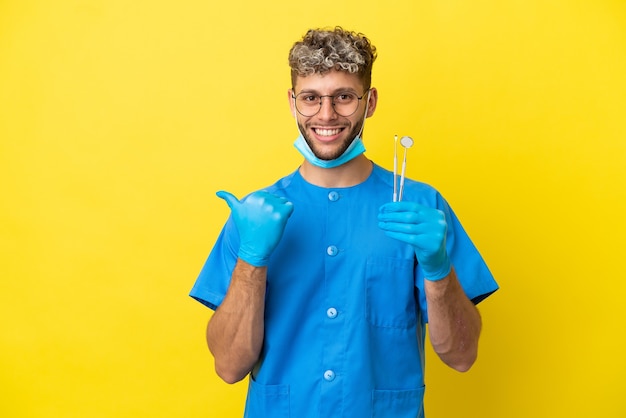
pixel 395 168
pixel 406 142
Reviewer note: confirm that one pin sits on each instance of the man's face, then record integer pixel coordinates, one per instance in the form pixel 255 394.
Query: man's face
pixel 327 133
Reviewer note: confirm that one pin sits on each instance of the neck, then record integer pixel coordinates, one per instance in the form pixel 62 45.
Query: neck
pixel 354 172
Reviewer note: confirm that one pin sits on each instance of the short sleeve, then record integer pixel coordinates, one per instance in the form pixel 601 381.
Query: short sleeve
pixel 470 267
pixel 212 283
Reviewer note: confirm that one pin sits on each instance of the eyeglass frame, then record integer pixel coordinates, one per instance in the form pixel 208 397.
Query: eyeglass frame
pixel 332 102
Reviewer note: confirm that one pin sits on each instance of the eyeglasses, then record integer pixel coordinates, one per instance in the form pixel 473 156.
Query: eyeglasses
pixel 344 103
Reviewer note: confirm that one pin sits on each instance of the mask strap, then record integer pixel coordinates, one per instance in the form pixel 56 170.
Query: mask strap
pixel 367 105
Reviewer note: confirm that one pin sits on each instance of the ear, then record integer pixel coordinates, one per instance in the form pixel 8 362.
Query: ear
pixel 373 100
pixel 291 103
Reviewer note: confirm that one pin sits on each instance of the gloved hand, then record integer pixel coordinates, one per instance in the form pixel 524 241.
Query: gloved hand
pixel 260 219
pixel 423 228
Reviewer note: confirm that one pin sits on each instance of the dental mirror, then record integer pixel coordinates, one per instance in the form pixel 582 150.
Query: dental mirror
pixel 395 168
pixel 406 142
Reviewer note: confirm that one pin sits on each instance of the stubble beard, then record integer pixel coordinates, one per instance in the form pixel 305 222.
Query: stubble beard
pixel 339 152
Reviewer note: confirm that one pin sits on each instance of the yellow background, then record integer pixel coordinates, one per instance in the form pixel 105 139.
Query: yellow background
pixel 120 119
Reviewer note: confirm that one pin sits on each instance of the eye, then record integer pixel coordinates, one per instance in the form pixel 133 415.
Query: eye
pixel 345 97
pixel 308 98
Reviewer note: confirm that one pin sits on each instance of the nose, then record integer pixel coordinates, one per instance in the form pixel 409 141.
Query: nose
pixel 327 109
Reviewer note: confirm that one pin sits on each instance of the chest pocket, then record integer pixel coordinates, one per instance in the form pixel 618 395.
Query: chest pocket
pixel 398 403
pixel 390 293
pixel 267 401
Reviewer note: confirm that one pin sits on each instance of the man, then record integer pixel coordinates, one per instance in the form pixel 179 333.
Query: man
pixel 321 285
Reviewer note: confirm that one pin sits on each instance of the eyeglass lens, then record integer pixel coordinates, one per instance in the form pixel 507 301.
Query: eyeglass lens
pixel 344 104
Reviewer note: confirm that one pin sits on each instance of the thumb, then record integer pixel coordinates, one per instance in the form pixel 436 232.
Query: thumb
pixel 230 199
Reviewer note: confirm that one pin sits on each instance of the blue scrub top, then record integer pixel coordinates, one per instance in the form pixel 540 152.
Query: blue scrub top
pixel 345 305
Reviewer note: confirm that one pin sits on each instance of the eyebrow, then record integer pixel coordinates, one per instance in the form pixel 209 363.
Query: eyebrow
pixel 339 90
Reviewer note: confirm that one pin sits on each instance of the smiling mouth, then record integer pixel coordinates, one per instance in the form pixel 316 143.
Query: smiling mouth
pixel 327 132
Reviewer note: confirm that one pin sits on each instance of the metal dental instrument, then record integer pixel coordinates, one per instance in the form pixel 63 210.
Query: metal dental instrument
pixel 395 168
pixel 406 142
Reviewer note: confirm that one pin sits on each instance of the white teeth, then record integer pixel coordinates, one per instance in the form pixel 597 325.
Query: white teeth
pixel 327 132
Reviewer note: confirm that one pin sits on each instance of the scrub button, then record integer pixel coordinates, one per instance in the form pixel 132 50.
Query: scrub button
pixel 332 250
pixel 329 375
pixel 333 196
pixel 331 313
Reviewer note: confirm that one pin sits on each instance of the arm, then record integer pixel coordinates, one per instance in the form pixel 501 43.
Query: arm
pixel 453 322
pixel 235 331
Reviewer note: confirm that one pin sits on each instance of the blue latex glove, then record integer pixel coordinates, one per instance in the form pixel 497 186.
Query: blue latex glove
pixel 423 228
pixel 260 219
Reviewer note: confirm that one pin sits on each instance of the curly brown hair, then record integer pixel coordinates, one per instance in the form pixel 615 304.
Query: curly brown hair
pixel 322 50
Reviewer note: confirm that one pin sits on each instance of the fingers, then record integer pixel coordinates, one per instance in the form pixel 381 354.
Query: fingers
pixel 260 199
pixel 409 213
pixel 405 227
pixel 425 243
pixel 230 199
pixel 414 234
pixel 392 207
pixel 414 224
pixel 272 198
pixel 272 202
